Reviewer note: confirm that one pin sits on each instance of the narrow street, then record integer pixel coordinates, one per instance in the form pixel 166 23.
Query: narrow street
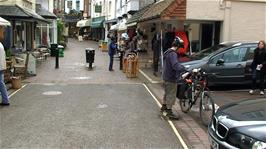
pixel 72 107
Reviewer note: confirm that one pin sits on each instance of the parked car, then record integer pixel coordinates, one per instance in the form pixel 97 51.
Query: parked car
pixel 239 125
pixel 226 63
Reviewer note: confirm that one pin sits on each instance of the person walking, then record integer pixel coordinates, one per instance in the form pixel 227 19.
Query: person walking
pixel 171 74
pixel 258 67
pixel 3 90
pixel 111 51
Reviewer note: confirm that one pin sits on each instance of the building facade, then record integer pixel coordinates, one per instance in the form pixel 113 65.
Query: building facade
pixel 23 17
pixel 77 5
pixel 46 33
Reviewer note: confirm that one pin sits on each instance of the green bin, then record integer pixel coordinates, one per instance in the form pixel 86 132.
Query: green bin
pixel 61 50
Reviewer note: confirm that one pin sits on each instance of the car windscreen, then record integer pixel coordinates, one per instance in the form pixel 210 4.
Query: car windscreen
pixel 207 52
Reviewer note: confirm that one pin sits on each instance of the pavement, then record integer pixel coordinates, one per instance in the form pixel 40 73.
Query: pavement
pixel 73 107
pixel 109 115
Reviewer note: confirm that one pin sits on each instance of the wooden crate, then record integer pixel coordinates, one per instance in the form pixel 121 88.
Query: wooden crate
pixel 124 64
pixel 132 67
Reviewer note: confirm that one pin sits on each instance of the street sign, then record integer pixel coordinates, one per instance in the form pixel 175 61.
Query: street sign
pixel 98 9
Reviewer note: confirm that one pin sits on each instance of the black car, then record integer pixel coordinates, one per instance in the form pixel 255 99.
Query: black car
pixel 239 125
pixel 226 63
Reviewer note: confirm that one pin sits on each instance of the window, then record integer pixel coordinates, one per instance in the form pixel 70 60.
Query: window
pixel 110 7
pixel 235 55
pixel 78 5
pixel 250 53
pixel 216 58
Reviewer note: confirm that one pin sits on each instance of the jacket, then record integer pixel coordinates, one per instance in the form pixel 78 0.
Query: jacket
pixel 171 67
pixel 259 58
pixel 2 57
pixel 111 48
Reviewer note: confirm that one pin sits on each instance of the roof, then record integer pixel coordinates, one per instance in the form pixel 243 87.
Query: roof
pixel 15 11
pixel 136 17
pixel 44 13
pixel 166 9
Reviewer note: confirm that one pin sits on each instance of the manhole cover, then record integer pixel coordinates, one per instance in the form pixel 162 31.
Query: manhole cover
pixel 102 106
pixel 52 93
pixel 81 78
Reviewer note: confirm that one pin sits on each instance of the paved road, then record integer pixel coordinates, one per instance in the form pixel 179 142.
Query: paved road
pixel 75 108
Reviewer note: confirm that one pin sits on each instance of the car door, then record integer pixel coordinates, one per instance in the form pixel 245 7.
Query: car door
pixel 249 58
pixel 231 68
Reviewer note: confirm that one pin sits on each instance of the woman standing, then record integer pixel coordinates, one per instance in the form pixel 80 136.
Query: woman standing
pixel 259 67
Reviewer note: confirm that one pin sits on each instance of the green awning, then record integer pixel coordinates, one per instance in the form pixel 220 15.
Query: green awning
pixel 97 22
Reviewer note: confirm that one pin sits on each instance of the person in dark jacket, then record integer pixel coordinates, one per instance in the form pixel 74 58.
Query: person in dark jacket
pixel 258 67
pixel 111 51
pixel 156 47
pixel 171 74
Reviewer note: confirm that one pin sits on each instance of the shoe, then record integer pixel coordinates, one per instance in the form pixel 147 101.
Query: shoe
pixel 111 69
pixel 4 104
pixel 163 108
pixel 171 115
pixel 261 93
pixel 251 91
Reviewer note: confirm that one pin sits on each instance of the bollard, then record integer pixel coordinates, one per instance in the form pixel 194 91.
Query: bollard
pixel 121 59
pixel 56 58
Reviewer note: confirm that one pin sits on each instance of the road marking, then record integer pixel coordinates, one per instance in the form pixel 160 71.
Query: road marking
pixel 17 91
pixel 169 121
pixel 147 77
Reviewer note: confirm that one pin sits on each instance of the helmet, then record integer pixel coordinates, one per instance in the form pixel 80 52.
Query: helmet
pixel 178 42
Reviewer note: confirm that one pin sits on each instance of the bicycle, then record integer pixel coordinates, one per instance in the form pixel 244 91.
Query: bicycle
pixel 195 86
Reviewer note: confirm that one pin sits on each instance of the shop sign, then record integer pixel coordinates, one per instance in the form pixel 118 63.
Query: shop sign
pixel 98 9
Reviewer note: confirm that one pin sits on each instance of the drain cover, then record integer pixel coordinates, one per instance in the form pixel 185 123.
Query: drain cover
pixel 52 93
pixel 102 106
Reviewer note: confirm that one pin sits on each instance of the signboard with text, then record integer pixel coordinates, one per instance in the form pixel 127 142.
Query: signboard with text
pixel 98 9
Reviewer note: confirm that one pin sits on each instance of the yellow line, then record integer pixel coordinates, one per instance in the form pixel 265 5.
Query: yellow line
pixel 169 121
pixel 17 91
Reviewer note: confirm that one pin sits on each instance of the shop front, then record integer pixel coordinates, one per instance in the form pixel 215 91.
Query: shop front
pixel 84 28
pixel 45 33
pixel 97 28
pixel 23 22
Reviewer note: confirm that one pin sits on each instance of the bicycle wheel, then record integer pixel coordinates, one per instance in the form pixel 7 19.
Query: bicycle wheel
pixel 185 103
pixel 206 108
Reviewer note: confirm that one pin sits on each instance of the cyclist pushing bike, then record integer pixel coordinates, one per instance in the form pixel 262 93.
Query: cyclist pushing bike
pixel 171 74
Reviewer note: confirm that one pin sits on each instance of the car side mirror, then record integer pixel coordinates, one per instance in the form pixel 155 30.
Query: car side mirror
pixel 220 62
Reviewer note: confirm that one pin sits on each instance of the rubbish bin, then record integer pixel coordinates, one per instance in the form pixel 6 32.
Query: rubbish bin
pixel 61 50
pixel 53 48
pixel 90 53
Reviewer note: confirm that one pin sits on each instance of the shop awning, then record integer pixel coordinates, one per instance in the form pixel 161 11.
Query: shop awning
pixel 84 23
pixel 166 10
pixel 16 12
pixel 136 17
pixel 44 13
pixel 122 26
pixel 97 22
pixel 111 21
pixel 4 22
pixel 114 27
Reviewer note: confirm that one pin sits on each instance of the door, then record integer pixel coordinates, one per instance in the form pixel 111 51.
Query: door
pixel 228 67
pixel 206 36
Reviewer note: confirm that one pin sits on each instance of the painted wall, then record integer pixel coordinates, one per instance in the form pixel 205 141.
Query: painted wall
pixel 243 25
pixel 204 10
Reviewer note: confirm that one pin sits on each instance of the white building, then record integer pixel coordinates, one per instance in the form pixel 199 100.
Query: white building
pixel 77 5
